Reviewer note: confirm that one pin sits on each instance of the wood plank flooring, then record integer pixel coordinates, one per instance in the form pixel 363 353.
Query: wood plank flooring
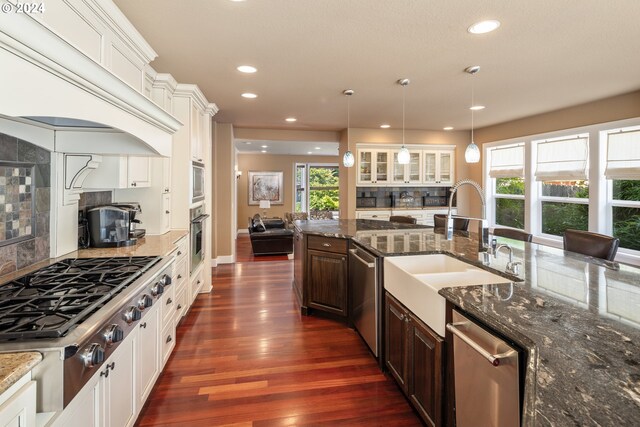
pixel 246 357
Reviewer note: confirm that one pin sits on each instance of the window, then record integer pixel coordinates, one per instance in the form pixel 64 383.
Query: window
pixel 507 168
pixel 561 169
pixel 623 169
pixel 317 188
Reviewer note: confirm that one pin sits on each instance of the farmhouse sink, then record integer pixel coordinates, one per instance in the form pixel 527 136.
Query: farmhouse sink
pixel 415 281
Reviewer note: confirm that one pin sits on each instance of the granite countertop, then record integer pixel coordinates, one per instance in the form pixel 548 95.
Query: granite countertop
pixel 577 317
pixel 14 365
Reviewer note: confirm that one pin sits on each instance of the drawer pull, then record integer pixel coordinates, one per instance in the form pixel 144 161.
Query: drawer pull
pixel 179 276
pixel 169 339
pixel 169 301
pixel 143 325
pixel 179 307
pixel 326 245
pixel 179 253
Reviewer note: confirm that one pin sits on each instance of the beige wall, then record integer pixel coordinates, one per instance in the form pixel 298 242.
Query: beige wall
pixel 267 162
pixel 467 202
pixel 224 158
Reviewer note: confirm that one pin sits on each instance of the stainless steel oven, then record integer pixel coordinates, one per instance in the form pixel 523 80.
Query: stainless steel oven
pixel 197 235
pixel 197 182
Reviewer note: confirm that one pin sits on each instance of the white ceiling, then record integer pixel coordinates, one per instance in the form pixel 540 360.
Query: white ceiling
pixel 295 148
pixel 547 54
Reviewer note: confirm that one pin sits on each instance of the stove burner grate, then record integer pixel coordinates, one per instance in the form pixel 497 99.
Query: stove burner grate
pixel 49 302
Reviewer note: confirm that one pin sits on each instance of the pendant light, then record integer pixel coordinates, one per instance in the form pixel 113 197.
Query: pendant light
pixel 348 160
pixel 403 155
pixel 472 153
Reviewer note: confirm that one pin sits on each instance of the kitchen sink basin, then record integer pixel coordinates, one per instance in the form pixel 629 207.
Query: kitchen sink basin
pixel 415 281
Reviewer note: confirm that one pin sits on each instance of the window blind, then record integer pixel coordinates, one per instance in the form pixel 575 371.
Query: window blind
pixel 623 155
pixel 564 159
pixel 507 162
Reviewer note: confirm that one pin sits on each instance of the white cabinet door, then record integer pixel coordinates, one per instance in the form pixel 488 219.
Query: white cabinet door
pixel 380 215
pixel 196 140
pixel 166 174
pixel 119 386
pixel 139 171
pixel 166 213
pixel 410 173
pixel 147 359
pixel 373 166
pixel 86 408
pixel 438 167
pixel 20 409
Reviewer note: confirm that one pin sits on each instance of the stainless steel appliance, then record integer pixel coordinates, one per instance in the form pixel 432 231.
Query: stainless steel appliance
pixel 197 182
pixel 76 312
pixel 110 226
pixel 197 236
pixel 134 209
pixel 487 390
pixel 363 269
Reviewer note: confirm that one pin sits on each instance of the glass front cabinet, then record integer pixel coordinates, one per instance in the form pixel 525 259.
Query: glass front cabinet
pixel 438 167
pixel 410 173
pixel 373 166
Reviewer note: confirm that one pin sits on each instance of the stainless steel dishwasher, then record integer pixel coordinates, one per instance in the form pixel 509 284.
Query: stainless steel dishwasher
pixel 363 269
pixel 487 391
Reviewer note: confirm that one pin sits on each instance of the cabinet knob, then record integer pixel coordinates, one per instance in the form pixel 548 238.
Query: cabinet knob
pixel 179 307
pixel 133 184
pixel 402 317
pixel 169 339
pixel 198 282
pixel 179 253
pixel 167 212
pixel 166 190
pixel 169 301
pixel 143 325
pixel 179 275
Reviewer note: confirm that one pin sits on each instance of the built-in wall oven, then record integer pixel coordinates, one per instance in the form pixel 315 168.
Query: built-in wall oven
pixel 197 235
pixel 197 182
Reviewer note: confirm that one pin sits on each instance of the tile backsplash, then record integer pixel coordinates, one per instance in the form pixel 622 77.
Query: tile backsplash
pixel 402 197
pixel 25 210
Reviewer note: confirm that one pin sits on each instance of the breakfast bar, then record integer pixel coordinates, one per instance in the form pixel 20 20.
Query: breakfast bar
pixel 576 318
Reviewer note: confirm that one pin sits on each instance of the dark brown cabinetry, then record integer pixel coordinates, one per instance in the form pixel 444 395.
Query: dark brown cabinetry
pixel 413 354
pixel 321 273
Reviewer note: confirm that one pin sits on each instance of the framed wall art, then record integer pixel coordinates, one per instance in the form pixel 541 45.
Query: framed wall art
pixel 266 186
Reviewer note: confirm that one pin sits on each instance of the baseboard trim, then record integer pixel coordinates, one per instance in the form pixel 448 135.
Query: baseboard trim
pixel 243 231
pixel 226 259
pixel 214 262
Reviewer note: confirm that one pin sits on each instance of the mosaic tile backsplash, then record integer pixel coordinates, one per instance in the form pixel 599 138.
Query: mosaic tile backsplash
pixel 16 202
pixel 24 203
pixel 402 197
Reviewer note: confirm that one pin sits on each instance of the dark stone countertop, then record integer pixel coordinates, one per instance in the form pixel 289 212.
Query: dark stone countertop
pixel 577 317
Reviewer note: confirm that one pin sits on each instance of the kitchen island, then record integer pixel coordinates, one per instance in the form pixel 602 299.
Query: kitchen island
pixel 577 318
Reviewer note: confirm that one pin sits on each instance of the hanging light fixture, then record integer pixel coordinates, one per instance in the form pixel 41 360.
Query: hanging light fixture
pixel 348 160
pixel 403 155
pixel 472 153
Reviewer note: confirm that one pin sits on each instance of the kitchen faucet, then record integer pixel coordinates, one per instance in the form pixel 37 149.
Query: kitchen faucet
pixel 512 267
pixel 483 224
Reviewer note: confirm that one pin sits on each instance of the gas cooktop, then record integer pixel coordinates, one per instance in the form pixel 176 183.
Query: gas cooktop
pixel 51 301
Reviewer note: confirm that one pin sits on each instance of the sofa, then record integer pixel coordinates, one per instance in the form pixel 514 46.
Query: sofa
pixel 269 236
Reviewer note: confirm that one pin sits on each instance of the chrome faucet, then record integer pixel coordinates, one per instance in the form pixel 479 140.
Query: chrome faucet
pixel 483 224
pixel 512 267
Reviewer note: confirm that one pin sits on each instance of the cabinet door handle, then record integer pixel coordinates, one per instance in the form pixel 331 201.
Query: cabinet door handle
pixel 179 275
pixel 143 325
pixel 326 245
pixel 166 190
pixel 169 339
pixel 179 253
pixel 167 212
pixel 169 301
pixel 179 307
pixel 133 184
pixel 198 282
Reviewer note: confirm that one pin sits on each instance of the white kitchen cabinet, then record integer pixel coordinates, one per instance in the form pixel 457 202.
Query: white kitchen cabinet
pixel 166 174
pixel 429 213
pixel 165 213
pixel 196 137
pixel 19 410
pixel 120 172
pixel 373 166
pixel 119 386
pixel 380 215
pixel 438 167
pixel 147 354
pixel 410 173
pixel 167 342
pixel 196 282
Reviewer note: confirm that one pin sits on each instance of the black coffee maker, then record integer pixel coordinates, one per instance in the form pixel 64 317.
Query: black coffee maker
pixel 109 227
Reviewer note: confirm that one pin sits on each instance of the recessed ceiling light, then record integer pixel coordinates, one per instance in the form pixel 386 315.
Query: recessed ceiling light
pixel 263 151
pixel 264 146
pixel 247 142
pixel 247 69
pixel 483 27
pixel 309 152
pixel 249 95
pixel 291 119
pixel 385 126
pixel 477 107
pixel 447 128
pixel 317 148
pixel 238 1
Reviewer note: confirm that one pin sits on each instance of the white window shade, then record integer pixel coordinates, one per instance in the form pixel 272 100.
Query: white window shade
pixel 564 159
pixel 623 155
pixel 507 162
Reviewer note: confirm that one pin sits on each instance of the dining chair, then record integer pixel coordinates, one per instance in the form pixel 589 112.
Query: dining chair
pixel 592 244
pixel 512 233
pixel 459 223
pixel 403 219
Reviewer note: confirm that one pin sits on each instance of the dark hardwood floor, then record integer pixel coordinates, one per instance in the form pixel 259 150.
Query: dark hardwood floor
pixel 246 357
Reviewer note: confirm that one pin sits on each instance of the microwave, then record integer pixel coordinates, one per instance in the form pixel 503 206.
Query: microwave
pixel 197 182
